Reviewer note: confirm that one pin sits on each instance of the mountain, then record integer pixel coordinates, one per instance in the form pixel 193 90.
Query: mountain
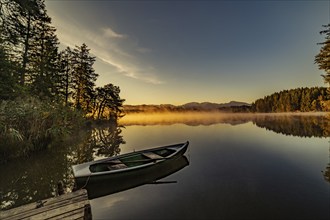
pixel 212 106
pixel 232 106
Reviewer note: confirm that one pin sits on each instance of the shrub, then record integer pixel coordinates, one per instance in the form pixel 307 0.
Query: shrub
pixel 29 124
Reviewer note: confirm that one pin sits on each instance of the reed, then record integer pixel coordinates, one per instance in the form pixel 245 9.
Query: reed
pixel 29 124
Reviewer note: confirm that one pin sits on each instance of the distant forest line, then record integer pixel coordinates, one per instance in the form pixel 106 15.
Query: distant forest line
pixel 294 100
pixel 315 99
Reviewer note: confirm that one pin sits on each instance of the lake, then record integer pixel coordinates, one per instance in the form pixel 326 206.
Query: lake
pixel 240 167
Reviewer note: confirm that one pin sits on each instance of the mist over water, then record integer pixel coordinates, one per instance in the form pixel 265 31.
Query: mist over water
pixel 203 118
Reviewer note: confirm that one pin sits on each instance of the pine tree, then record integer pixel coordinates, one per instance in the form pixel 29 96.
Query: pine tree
pixel 323 61
pixel 65 72
pixel 7 80
pixel 323 58
pixel 83 77
pixel 44 60
pixel 19 25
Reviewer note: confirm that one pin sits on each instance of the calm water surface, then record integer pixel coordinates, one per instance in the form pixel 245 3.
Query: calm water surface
pixel 235 172
pixel 240 168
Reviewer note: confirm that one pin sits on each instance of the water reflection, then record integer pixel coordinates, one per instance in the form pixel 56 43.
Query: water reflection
pixel 106 140
pixel 295 124
pixel 35 178
pixel 326 171
pixel 149 175
pixel 236 172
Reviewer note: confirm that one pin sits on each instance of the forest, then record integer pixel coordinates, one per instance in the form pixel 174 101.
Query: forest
pixel 45 92
pixel 294 100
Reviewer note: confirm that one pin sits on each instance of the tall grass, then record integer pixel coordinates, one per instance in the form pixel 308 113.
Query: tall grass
pixel 29 124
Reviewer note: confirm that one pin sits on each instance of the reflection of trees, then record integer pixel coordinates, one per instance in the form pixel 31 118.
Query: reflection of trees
pixel 326 172
pixel 296 125
pixel 302 125
pixel 36 177
pixel 106 140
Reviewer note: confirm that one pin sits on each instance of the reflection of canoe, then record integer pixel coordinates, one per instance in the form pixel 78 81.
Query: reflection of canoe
pixel 126 164
pixel 148 175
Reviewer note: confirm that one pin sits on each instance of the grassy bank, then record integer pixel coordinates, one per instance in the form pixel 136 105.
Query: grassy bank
pixel 29 124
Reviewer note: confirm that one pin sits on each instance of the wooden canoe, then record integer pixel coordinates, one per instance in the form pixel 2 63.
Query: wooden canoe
pixel 125 164
pixel 149 175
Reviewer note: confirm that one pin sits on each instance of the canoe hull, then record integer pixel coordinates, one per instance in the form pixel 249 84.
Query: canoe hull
pixel 121 182
pixel 85 177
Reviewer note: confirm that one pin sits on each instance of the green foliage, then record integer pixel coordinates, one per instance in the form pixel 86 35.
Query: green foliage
pixel 323 59
pixel 7 81
pixel 31 63
pixel 83 77
pixel 107 103
pixel 29 124
pixel 32 69
pixel 294 100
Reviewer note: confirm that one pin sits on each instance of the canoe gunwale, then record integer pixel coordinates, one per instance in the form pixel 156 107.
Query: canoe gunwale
pixel 82 171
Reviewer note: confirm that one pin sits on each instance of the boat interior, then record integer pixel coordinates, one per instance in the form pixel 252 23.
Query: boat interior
pixel 133 160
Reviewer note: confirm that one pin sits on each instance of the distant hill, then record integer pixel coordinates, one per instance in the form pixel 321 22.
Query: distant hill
pixel 232 106
pixel 213 106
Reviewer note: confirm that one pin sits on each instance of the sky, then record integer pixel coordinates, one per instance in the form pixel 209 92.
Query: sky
pixel 174 52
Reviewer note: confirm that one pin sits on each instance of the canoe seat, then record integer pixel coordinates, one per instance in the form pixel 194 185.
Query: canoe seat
pixel 117 166
pixel 152 155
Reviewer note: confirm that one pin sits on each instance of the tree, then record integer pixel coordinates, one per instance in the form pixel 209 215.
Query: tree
pixel 65 73
pixel 20 28
pixel 7 81
pixel 107 103
pixel 83 77
pixel 300 99
pixel 323 59
pixel 44 60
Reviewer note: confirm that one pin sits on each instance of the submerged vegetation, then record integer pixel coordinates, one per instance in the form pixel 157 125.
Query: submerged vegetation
pixel 44 93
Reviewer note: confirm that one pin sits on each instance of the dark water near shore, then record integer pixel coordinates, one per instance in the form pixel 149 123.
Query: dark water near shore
pixel 241 167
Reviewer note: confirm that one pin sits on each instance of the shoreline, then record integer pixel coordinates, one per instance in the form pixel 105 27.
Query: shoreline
pixel 226 113
pixel 205 118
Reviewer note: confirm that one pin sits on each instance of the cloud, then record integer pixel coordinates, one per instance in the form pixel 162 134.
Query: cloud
pixel 108 32
pixel 112 48
pixel 132 72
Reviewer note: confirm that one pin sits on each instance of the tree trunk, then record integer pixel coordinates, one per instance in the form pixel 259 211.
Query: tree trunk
pixel 26 49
